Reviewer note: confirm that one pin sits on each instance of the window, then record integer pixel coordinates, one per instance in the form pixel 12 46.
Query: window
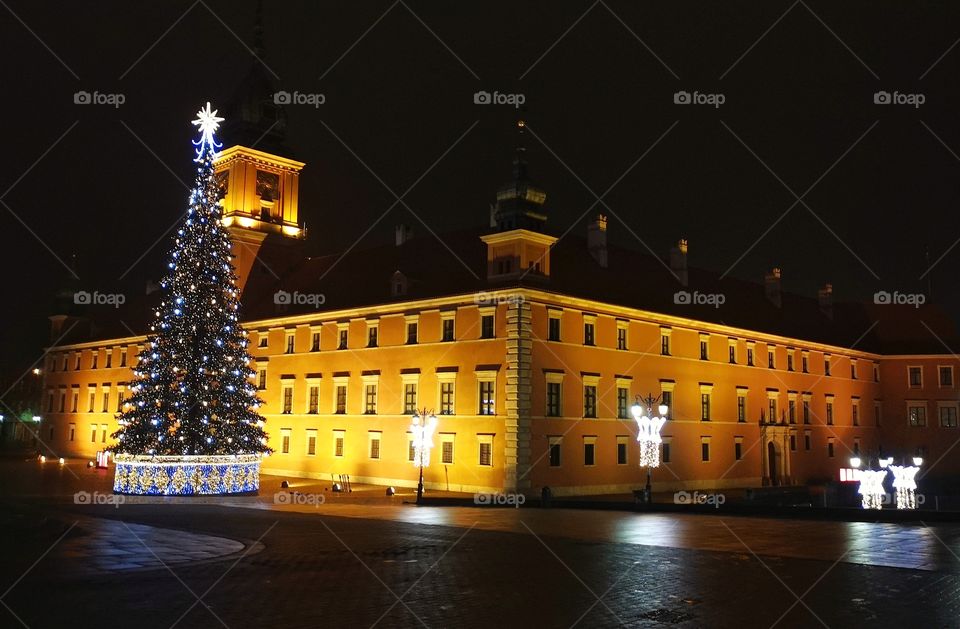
pixel 446 449
pixel 315 341
pixel 63 401
pixel 789 359
pixel 732 352
pixel 311 442
pixel 338 438
pixel 93 360
pixel 741 407
pixel 446 397
pixel 553 328
pixel 876 413
pixel 915 377
pixel 374 438
pixel 412 327
pixel 876 372
pixel 262 378
pixel 771 358
pixel 737 448
pixel 917 414
pixel 704 450
pixel 589 330
pixel 589 400
pixel 108 362
pixel 487 406
pixel 665 452
pixel 93 433
pixel 666 398
pixel 50 397
pixel 826 365
pixel 103 433
pixel 313 399
pixel 93 399
pixel 290 341
pixel 855 413
pixel 75 406
pixel 830 447
pixel 262 339
pixel 285 441
pixel 287 399
pixel 553 443
pixel 447 329
pixel 772 410
pixel 806 440
pixel 123 357
pixel 106 402
pixel 553 398
pixel 411 449
pixel 344 338
pixel 948 416
pixel 373 333
pixel 750 355
pixel 341 399
pixel 806 411
pixel 704 407
pixel 623 402
pixel 486 326
pixel 792 411
pixel 829 412
pixel 76 363
pixel 664 342
pixel 946 376
pixel 589 451
pixel 704 347
pixel 370 399
pixel 410 398
pixel 853 369
pixel 485 450
pixel 622 335
pixel 805 362
pixel 793 443
pixel 622 450
pixel 73 431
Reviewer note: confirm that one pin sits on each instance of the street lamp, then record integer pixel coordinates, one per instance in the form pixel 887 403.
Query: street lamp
pixel 905 483
pixel 648 435
pixel 422 428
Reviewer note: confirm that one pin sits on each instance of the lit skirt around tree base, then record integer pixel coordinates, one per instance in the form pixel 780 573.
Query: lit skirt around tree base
pixel 198 475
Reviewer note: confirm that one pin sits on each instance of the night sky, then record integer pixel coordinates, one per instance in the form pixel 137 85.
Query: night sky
pixel 798 81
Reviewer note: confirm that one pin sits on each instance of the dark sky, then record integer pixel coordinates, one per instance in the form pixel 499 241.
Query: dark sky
pixel 597 97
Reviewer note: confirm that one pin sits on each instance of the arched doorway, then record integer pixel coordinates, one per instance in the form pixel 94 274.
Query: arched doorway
pixel 772 463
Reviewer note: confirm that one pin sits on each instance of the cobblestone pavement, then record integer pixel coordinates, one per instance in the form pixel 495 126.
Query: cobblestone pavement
pixel 400 566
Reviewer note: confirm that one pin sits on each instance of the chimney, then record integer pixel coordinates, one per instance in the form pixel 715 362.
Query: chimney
pixel 678 260
pixel 771 286
pixel 825 297
pixel 403 233
pixel 597 239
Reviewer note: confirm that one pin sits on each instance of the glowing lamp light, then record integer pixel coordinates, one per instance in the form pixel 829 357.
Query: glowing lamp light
pixel 871 488
pixel 62 461
pixel 905 484
pixel 36 418
pixel 918 461
pixel 855 461
pixel 43 459
pixel 648 434
pixel 422 431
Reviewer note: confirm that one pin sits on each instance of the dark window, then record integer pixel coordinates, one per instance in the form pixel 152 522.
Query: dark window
pixel 287 400
pixel 948 416
pixel 109 361
pixel 621 453
pixel 806 442
pixel 343 340
pixel 737 450
pixel 664 344
pixel 446 452
pixel 793 443
pixel 289 349
pixel 375 447
pixel 311 443
pixel 486 327
pixel 665 452
pixel 789 360
pixel 486 454
pixel 806 412
pixel 855 414
pixel 409 398
pixel 750 356
pixel 123 358
pixel 341 399
pixel 741 408
pixel 553 399
pixel 732 354
pixel 554 455
pixel 588 334
pixel 792 411
pixel 826 366
pixel 262 379
pixel 285 444
pixel 772 411
pixel 829 413
pixel 704 349
pixel 666 398
pixel 589 400
pixel 447 330
pixel 704 451
pixel 446 398
pixel 918 415
pixel 372 334
pixel 830 449
pixel 315 342
pixel 411 333
pixel 705 407
pixel 588 453
pixel 853 370
pixel 370 399
pixel 621 338
pixel 623 395
pixel 770 359
pixel 946 377
pixel 313 405
pixel 553 330
pixel 805 364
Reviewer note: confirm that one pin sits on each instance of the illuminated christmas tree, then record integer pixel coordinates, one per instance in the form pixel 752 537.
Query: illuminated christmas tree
pixel 192 394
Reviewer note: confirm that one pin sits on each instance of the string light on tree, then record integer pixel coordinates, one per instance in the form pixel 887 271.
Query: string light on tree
pixel 193 395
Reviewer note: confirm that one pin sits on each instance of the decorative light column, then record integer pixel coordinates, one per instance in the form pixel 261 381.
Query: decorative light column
pixel 648 436
pixel 905 483
pixel 871 484
pixel 423 426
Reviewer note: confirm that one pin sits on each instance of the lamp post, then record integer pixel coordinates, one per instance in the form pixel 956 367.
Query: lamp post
pixel 648 436
pixel 422 428
pixel 905 483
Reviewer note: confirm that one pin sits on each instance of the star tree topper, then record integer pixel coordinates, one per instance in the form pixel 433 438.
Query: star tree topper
pixel 207 122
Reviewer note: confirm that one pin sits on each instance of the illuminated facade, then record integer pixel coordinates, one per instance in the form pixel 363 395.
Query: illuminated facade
pixel 531 356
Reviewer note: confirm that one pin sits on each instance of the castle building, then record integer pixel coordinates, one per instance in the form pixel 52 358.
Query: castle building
pixel 531 349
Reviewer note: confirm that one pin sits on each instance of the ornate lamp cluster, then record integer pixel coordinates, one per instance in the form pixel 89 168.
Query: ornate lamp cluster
pixel 871 487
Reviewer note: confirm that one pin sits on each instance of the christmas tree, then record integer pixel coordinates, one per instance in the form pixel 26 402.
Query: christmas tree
pixel 192 392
